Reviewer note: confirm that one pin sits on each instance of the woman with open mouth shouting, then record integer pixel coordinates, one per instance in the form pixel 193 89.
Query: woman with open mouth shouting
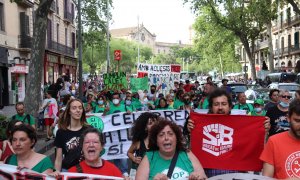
pixel 168 158
pixel 92 144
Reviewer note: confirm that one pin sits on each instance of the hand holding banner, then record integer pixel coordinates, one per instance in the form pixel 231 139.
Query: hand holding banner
pixel 228 142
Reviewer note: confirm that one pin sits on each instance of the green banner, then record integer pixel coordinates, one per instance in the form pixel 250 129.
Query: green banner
pixel 139 84
pixel 115 81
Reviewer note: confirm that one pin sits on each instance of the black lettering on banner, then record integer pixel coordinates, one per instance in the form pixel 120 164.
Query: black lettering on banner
pixel 157 113
pixel 179 116
pixel 113 118
pixel 127 118
pixel 168 114
pixel 133 117
pixel 109 136
pixel 115 149
pixel 129 134
pixel 120 137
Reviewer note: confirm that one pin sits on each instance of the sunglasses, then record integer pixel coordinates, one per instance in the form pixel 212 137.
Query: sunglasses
pixel 288 97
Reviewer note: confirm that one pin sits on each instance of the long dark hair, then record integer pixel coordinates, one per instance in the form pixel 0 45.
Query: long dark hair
pixel 158 127
pixel 138 131
pixel 65 120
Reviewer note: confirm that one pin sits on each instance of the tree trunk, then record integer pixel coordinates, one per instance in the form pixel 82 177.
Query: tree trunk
pixel 270 44
pixel 250 56
pixel 36 66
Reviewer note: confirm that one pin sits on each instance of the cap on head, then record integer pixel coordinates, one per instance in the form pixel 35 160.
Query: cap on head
pixel 259 101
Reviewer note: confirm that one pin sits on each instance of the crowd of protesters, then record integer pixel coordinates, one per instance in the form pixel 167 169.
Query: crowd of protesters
pixel 155 141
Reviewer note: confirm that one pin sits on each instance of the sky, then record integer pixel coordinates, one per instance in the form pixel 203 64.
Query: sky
pixel 169 20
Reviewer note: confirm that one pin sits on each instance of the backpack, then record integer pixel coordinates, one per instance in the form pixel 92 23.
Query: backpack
pixel 27 117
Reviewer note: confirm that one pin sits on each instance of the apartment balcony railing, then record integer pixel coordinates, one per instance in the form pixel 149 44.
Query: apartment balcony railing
pixel 68 17
pixel 25 41
pixel 262 44
pixel 53 6
pixel 60 48
pixel 26 3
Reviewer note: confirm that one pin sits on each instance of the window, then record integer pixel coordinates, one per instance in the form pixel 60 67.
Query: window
pixel 66 36
pixel 57 7
pixel 57 33
pixel 2 27
pixel 73 40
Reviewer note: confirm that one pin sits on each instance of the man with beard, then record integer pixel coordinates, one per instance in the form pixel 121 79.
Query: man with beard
pixel 281 153
pixel 220 103
pixel 278 114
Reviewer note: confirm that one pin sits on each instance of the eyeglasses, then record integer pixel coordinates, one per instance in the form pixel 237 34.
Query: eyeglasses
pixel 288 97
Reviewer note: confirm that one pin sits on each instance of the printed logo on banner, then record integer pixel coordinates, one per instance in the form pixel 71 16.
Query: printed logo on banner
pixel 178 173
pixel 292 165
pixel 219 139
pixel 96 122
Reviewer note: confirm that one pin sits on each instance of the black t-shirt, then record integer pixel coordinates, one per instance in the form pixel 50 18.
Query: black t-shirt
pixel 278 120
pixel 270 105
pixel 67 139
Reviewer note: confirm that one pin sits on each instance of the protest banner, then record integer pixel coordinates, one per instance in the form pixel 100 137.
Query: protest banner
pixel 160 75
pixel 116 130
pixel 139 84
pixel 10 172
pixel 115 81
pixel 229 142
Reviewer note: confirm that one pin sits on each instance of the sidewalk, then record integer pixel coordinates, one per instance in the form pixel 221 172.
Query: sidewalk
pixel 8 111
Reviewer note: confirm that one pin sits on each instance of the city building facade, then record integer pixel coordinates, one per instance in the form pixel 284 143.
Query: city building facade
pixel 16 31
pixel 285 40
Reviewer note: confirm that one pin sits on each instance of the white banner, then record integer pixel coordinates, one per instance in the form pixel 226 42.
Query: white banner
pixel 116 130
pixel 9 172
pixel 161 75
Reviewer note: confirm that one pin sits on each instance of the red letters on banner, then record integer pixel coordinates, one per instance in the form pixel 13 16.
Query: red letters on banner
pixel 228 142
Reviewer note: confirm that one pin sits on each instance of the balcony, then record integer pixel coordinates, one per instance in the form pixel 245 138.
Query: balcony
pixel 60 48
pixel 26 3
pixel 68 17
pixel 25 41
pixel 262 45
pixel 53 7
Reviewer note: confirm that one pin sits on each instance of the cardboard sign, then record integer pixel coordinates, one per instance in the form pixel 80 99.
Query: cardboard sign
pixel 139 84
pixel 115 81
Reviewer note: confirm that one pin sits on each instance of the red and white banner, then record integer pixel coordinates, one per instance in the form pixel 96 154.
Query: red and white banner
pixel 228 142
pixel 9 172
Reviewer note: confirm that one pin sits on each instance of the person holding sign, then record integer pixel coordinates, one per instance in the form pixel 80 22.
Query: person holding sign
pixel 23 139
pixel 92 143
pixel 140 139
pixel 116 106
pixel 168 158
pixel 220 103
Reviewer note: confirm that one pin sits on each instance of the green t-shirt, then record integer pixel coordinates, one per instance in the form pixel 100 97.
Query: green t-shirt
pixel 115 109
pixel 204 104
pixel 177 104
pixel 130 108
pixel 247 107
pixel 26 119
pixel 137 103
pixel 40 167
pixel 263 113
pixel 99 109
pixel 93 103
pixel 157 108
pixel 183 167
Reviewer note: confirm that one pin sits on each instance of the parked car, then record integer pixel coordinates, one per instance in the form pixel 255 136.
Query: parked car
pixel 259 93
pixel 291 87
pixel 237 88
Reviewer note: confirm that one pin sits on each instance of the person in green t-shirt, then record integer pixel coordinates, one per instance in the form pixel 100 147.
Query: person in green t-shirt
pixel 178 100
pixel 258 108
pixel 129 105
pixel 116 106
pixel 242 103
pixel 166 143
pixel 101 103
pixel 162 104
pixel 22 116
pixel 136 101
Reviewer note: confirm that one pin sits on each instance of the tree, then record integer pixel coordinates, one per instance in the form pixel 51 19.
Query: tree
pixel 215 45
pixel 35 74
pixel 33 84
pixel 242 17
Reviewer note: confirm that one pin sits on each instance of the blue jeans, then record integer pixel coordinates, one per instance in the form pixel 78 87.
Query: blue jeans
pixel 122 164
